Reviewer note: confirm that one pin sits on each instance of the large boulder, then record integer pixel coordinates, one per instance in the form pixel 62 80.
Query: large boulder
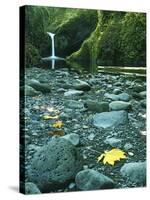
pixel 110 119
pixel 90 179
pixel 135 172
pixel 55 165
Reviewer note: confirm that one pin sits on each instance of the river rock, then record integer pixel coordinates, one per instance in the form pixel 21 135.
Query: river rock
pixel 82 85
pixel 119 105
pixel 54 165
pixel 114 142
pixel 42 87
pixel 143 103
pixel 90 179
pixel 74 104
pixel 113 97
pixel 135 172
pixel 31 188
pixel 139 88
pixel 124 97
pixel 97 106
pixel 72 93
pixel 116 91
pixel 29 91
pixel 73 138
pixel 110 119
pixel 143 94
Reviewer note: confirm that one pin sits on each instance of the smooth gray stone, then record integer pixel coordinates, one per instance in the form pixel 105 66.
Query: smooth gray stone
pixel 110 119
pixel 90 179
pixel 135 172
pixel 119 105
pixel 73 138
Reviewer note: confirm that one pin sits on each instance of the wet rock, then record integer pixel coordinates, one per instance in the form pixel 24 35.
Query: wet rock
pixel 54 165
pixel 138 88
pixel 72 186
pixel 113 97
pixel 143 103
pixel 82 85
pixel 31 188
pixel 143 94
pixel 90 179
pixel 119 105
pixel 74 104
pixel 128 146
pixel 73 138
pixel 124 97
pixel 135 172
pixel 42 87
pixel 91 136
pixel 29 91
pixel 114 142
pixel 64 116
pixel 97 106
pixel 72 93
pixel 110 119
pixel 117 91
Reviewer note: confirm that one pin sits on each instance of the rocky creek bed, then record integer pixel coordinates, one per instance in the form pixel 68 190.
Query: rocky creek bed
pixel 98 112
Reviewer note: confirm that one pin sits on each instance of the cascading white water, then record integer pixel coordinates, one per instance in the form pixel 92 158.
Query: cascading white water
pixel 53 44
pixel 52 57
pixel 53 48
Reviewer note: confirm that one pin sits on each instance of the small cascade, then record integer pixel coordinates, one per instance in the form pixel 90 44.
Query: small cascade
pixel 52 58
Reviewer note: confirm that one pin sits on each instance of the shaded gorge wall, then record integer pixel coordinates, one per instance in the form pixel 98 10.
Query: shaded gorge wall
pixel 88 37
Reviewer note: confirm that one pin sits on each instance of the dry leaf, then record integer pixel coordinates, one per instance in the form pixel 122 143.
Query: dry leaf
pixel 57 133
pixel 46 117
pixel 58 124
pixel 112 156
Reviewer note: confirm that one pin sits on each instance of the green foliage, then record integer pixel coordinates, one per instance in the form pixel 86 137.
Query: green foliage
pixel 118 40
pixel 133 43
pixel 32 57
pixel 94 37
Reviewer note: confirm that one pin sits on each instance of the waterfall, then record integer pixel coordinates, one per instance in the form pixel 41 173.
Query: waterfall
pixel 53 44
pixel 52 57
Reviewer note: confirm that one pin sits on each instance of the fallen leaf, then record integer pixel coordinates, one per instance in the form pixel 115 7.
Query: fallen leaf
pixel 112 156
pixel 58 124
pixel 56 132
pixel 47 117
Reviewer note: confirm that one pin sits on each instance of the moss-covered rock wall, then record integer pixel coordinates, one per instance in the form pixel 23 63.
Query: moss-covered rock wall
pixel 107 38
pixel 119 39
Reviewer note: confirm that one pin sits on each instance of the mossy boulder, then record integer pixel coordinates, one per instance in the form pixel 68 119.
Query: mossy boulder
pixel 72 32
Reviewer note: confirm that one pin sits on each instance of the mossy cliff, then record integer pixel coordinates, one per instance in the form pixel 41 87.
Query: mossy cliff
pixel 119 39
pixel 108 38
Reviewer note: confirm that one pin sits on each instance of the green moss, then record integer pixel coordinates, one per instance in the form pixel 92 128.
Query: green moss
pixel 89 49
pixel 32 57
pixel 72 32
pixel 118 40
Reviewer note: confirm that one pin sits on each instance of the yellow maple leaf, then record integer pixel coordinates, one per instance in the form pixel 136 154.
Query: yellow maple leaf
pixel 46 117
pixel 58 124
pixel 112 156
